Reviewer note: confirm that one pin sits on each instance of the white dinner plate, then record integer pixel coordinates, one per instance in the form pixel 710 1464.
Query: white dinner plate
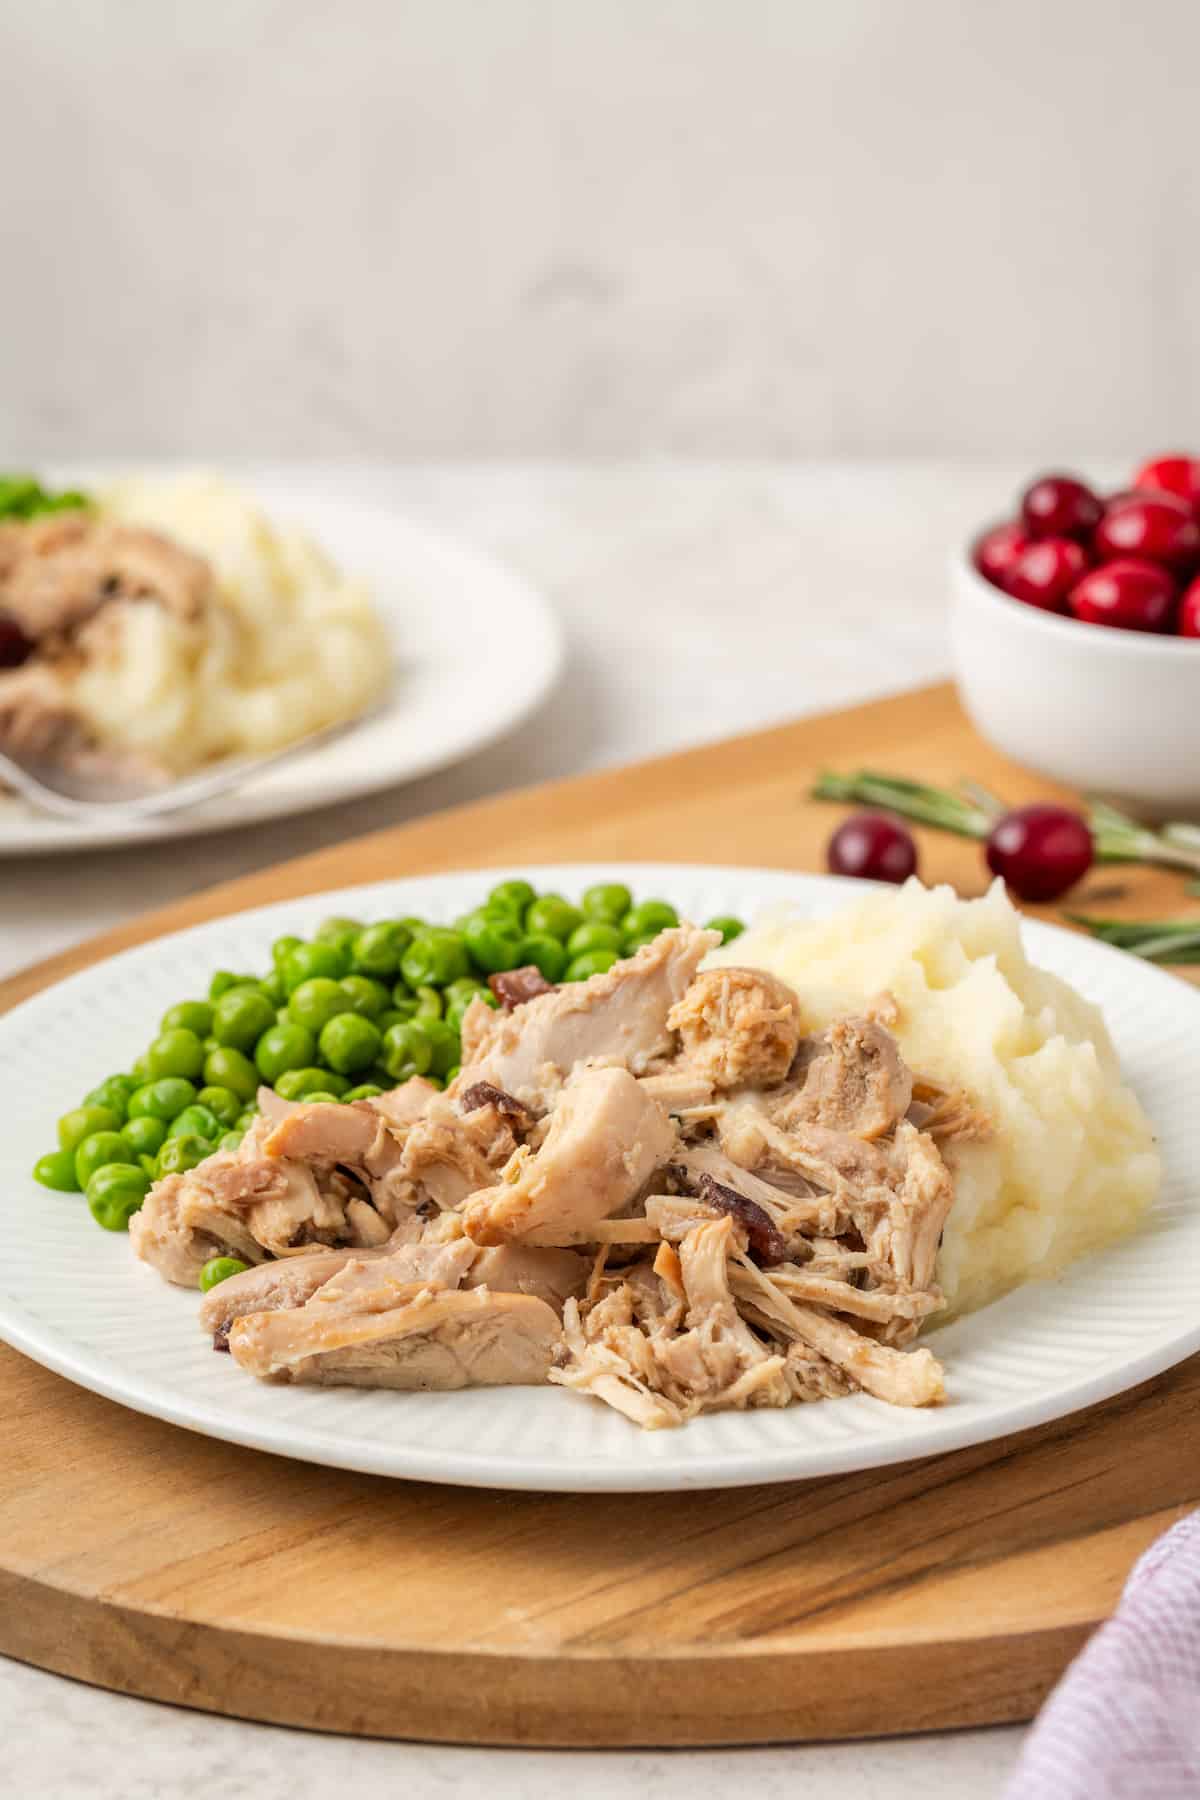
pixel 73 1296
pixel 475 648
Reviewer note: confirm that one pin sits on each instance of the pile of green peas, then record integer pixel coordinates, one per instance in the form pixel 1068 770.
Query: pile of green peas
pixel 342 1016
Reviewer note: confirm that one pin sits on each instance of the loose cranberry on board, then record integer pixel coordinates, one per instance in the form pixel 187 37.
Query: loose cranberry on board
pixel 1128 594
pixel 1060 506
pixel 998 549
pixel 875 846
pixel 1040 850
pixel 1178 474
pixel 1044 574
pixel 1157 526
pixel 1189 612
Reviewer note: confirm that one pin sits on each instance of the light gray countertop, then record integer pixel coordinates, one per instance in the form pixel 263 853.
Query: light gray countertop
pixel 753 593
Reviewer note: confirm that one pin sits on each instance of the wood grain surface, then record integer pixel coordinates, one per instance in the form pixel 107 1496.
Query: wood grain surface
pixel 942 1593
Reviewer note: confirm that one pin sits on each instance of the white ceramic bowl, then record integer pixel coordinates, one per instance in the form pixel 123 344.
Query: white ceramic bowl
pixel 1113 713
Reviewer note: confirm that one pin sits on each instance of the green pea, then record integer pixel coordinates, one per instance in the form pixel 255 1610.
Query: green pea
pixel 495 940
pixel 222 1101
pixel 339 931
pixel 315 1002
pixel 379 950
pixel 137 1069
pixel 727 925
pixel 284 1047
pixel 196 1121
pixel 281 946
pixel 179 1154
pixel 350 1043
pixel 115 1193
pixel 175 1053
pixel 306 961
pixel 301 1084
pixel 430 1004
pixel 113 1093
pixel 407 1051
pixel 163 1099
pixel 464 991
pixel 365 995
pixel 224 980
pixel 608 901
pixel 230 1142
pixel 246 1119
pixel 405 1001
pixel 648 918
pixel 435 959
pixel 57 1170
pixel 240 1017
pixel 323 1097
pixel 231 1069
pixel 552 916
pixel 512 896
pixel 96 1151
pixel 189 1015
pixel 594 934
pixel 272 987
pixel 144 1135
pixel 546 954
pixel 150 1164
pixel 453 1073
pixel 220 1268
pixel 445 1045
pixel 73 1127
pixel 593 962
pixel 366 1090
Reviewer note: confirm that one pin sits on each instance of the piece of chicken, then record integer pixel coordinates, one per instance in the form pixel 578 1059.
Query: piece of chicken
pixel 57 571
pixel 855 1081
pixel 619 1016
pixel 400 1335
pixel 738 1027
pixel 251 1205
pixel 606 1138
pixel 285 1285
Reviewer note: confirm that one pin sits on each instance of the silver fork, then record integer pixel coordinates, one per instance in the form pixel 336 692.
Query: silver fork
pixel 72 794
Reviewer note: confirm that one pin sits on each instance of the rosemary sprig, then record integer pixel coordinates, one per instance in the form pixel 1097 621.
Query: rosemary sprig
pixel 1155 940
pixel 939 807
pixel 971 811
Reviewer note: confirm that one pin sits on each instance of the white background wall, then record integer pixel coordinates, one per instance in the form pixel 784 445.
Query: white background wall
pixel 448 227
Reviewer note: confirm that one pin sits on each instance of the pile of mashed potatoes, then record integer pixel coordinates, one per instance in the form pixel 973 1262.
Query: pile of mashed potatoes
pixel 290 646
pixel 1070 1164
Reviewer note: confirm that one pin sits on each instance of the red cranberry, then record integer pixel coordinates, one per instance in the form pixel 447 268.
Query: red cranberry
pixel 998 549
pixel 1040 851
pixel 1060 506
pixel 1189 612
pixel 15 647
pixel 874 845
pixel 1178 475
pixel 1127 594
pixel 1044 574
pixel 1157 526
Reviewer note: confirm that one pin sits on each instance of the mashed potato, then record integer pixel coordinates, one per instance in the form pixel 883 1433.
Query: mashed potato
pixel 291 646
pixel 1071 1164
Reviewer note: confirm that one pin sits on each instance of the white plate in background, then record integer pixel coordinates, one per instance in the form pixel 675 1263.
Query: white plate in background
pixel 476 649
pixel 74 1297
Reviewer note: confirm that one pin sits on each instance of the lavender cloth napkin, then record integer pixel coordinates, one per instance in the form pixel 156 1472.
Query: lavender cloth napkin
pixel 1124 1722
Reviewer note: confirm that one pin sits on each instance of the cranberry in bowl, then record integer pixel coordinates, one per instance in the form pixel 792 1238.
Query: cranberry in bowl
pixel 1075 632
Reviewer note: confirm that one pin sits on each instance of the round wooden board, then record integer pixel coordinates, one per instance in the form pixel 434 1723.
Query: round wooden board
pixel 944 1593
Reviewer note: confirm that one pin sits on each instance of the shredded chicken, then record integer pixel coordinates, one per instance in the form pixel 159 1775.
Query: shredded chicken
pixel 647 1187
